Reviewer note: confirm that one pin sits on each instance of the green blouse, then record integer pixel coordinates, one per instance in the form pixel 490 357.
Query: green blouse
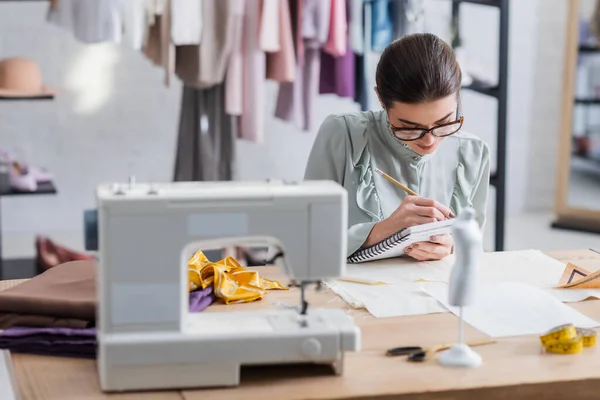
pixel 349 147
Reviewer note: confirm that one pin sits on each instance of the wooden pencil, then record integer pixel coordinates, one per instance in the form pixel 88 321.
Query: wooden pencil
pixel 395 182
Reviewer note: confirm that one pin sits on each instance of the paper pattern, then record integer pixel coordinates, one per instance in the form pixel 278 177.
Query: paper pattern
pixel 512 309
pixel 385 301
pixel 404 275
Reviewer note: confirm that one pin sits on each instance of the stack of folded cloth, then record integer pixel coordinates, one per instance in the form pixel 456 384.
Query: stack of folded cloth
pixel 54 313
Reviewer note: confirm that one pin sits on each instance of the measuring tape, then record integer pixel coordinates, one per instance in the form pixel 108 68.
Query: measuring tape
pixel 567 339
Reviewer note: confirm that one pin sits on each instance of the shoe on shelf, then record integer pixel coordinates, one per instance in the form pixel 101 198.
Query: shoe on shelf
pixel 21 179
pixel 39 175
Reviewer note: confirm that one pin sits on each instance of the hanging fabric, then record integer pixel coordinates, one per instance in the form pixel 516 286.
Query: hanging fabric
pixel 295 100
pixel 158 46
pixel 382 26
pixel 254 66
pixel 90 21
pixel 206 141
pixel 204 65
pixel 337 73
pixel 187 18
pixel 281 65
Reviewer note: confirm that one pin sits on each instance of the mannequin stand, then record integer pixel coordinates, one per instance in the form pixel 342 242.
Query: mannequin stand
pixel 460 355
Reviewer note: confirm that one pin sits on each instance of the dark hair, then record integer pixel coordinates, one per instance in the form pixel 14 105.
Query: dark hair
pixel 417 68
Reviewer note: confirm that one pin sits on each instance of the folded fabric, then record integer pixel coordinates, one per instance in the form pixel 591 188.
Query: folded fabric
pixel 65 291
pixel 8 320
pixel 73 342
pixel 201 299
pixel 66 342
pixel 231 282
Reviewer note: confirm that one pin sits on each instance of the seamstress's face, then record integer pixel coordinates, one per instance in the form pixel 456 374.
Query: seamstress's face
pixel 423 116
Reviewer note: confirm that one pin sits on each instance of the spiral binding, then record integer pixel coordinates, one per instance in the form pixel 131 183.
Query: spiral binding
pixel 378 248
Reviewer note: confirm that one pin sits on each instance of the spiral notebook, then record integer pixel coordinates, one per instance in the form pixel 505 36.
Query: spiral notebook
pixel 394 245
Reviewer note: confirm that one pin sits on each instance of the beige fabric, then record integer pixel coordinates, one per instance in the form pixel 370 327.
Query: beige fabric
pixel 204 65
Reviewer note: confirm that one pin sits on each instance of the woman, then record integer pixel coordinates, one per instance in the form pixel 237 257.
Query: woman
pixel 416 138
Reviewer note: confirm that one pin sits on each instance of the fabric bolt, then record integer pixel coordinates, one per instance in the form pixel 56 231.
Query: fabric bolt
pixel 349 147
pixel 90 21
pixel 281 65
pixel 187 18
pixel 234 100
pixel 356 25
pixel 205 126
pixel 337 73
pixel 230 281
pixel 65 291
pixel 204 65
pixel 382 25
pixel 337 41
pixel 254 76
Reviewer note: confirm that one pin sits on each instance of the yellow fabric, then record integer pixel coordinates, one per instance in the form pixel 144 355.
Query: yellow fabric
pixel 231 282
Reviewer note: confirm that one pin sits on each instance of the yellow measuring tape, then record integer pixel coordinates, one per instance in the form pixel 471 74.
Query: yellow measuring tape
pixel 567 339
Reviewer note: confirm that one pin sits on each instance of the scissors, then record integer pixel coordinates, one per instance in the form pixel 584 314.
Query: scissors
pixel 417 354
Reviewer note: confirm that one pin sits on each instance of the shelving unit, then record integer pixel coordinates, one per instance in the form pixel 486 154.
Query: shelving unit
pixel 499 92
pixel 22 268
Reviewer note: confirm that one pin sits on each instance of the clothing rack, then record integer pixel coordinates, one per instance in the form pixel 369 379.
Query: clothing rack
pixel 499 92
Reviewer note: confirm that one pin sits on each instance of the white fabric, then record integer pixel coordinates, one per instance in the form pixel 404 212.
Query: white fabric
pixel 135 15
pixel 91 21
pixel 269 26
pixel 186 22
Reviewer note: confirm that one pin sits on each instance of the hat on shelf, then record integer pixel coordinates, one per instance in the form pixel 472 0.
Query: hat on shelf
pixel 22 78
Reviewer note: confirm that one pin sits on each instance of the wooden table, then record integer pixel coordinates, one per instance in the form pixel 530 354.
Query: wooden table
pixel 513 367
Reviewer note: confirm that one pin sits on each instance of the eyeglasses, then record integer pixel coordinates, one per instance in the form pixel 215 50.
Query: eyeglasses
pixel 410 134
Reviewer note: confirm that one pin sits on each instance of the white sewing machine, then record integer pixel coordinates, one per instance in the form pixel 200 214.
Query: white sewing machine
pixel 147 337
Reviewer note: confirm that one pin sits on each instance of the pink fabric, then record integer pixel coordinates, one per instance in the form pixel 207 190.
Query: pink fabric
pixel 254 76
pixel 338 29
pixel 234 100
pixel 281 66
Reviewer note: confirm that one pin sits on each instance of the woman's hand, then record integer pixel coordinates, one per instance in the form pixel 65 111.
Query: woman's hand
pixel 440 246
pixel 413 210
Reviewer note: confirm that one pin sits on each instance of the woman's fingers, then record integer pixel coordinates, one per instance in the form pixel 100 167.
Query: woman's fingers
pixel 431 203
pixel 429 212
pixel 428 251
pixel 444 239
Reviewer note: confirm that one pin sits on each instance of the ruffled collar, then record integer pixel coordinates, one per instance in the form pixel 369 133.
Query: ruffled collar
pixel 396 144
